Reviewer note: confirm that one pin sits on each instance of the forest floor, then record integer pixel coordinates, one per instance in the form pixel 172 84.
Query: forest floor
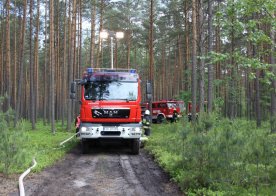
pixel 8 185
pixel 108 169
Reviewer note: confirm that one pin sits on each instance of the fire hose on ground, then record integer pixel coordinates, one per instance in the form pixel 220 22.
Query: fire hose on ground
pixel 21 186
pixel 22 176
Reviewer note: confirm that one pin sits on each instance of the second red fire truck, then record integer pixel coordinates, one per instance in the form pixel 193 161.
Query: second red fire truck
pixel 164 109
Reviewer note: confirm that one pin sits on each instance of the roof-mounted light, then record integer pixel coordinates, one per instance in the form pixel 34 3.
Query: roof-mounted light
pixel 104 34
pixel 90 70
pixel 132 71
pixel 119 35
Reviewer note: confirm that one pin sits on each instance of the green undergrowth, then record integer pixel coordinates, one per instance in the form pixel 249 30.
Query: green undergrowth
pixel 217 156
pixel 26 144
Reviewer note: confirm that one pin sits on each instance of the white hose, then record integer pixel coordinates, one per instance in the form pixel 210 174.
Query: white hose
pixel 144 138
pixel 21 186
pixel 61 143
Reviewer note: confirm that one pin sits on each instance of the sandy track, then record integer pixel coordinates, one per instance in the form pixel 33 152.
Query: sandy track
pixel 108 169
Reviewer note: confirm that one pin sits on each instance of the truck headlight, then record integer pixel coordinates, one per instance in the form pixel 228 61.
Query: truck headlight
pixel 83 129
pixel 137 129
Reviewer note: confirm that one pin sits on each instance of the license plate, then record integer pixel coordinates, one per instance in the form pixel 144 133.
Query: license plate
pixel 110 128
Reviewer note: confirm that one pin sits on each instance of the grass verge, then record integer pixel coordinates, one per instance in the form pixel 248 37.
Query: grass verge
pixel 217 156
pixel 42 145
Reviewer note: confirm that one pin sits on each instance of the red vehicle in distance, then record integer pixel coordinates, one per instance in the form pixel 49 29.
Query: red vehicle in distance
pixel 164 109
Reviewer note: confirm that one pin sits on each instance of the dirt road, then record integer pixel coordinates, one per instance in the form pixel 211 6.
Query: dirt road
pixel 108 169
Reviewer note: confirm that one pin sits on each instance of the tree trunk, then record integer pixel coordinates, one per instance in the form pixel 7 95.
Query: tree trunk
pixel 52 66
pixel 71 63
pixel 257 83
pixel 26 89
pixel 92 38
pixel 163 86
pixel 180 65
pixel 65 67
pixel 45 86
pixel 79 64
pixel 201 51
pixel 57 62
pixel 13 102
pixel 21 64
pixel 210 48
pixel 75 52
pixel 174 72
pixel 99 56
pixel 219 89
pixel 232 82
pixel 36 84
pixel 80 39
pixel 2 38
pixel 273 93
pixel 194 62
pixel 8 55
pixel 258 106
pixel 31 66
pixel 187 44
pixel 151 55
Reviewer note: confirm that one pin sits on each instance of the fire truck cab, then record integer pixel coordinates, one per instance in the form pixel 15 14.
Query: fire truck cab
pixel 110 107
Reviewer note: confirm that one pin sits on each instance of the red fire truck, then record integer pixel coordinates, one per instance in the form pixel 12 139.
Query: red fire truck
pixel 164 109
pixel 110 107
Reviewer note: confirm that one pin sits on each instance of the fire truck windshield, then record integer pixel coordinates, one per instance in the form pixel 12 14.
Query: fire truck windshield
pixel 111 90
pixel 171 105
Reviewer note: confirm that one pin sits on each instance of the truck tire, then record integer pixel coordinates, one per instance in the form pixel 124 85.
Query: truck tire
pixel 160 119
pixel 135 146
pixel 84 147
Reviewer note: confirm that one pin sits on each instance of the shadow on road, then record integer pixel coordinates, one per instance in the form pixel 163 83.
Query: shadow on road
pixel 106 146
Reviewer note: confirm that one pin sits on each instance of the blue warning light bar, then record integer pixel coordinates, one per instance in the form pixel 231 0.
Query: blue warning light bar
pixel 90 70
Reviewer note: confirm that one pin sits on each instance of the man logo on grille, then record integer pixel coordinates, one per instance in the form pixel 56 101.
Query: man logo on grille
pixel 97 113
pixel 110 113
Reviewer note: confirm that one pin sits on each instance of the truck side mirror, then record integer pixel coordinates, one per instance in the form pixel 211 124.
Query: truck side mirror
pixel 149 88
pixel 72 95
pixel 73 87
pixel 149 91
pixel 149 96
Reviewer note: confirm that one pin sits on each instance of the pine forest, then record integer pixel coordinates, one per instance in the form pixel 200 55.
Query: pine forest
pixel 217 56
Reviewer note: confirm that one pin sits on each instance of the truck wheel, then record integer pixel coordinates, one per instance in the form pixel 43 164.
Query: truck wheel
pixel 135 146
pixel 160 119
pixel 84 147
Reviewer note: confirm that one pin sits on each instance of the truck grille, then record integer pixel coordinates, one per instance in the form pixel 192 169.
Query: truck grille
pixel 110 113
pixel 111 133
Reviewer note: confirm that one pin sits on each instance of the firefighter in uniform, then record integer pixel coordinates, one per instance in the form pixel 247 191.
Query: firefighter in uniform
pixel 146 122
pixel 174 116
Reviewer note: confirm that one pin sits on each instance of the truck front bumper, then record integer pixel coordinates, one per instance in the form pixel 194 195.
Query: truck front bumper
pixel 125 131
